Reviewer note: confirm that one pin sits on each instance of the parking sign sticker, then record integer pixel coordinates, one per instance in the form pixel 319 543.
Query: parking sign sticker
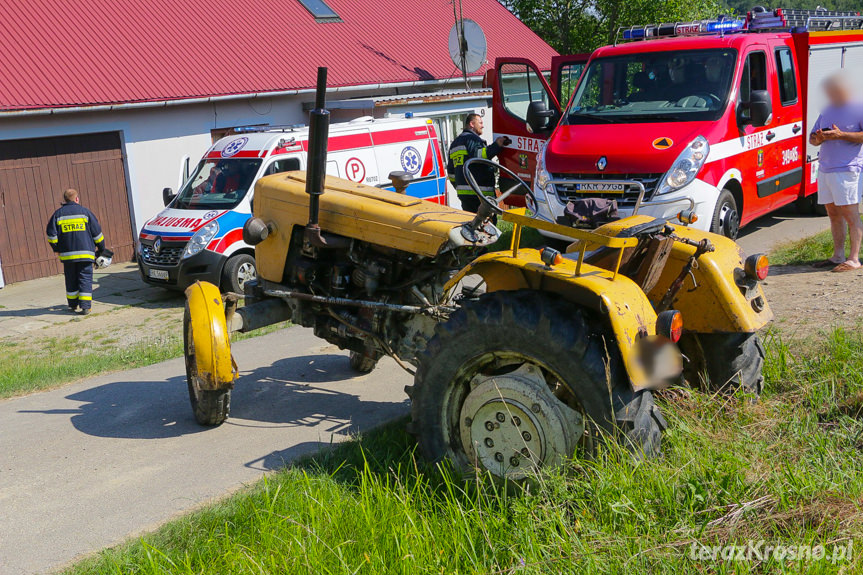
pixel 355 170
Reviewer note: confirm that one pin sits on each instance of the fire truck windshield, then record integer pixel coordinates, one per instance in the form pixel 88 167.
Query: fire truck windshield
pixel 681 86
pixel 217 184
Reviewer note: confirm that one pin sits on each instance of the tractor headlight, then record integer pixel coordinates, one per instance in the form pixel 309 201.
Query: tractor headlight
pixel 541 177
pixel 201 238
pixel 686 166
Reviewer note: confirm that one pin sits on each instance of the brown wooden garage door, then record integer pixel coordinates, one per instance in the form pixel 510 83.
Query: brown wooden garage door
pixel 33 175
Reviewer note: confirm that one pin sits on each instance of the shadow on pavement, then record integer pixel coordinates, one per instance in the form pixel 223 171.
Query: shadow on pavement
pixel 59 309
pixel 287 393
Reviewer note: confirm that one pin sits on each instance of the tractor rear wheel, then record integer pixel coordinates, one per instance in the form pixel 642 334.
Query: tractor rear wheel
pixel 210 407
pixel 724 362
pixel 517 380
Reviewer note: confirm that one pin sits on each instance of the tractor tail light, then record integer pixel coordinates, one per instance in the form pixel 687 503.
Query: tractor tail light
pixel 757 266
pixel 670 324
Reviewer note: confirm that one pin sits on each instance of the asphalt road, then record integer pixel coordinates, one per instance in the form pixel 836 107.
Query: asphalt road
pixel 781 227
pixel 88 465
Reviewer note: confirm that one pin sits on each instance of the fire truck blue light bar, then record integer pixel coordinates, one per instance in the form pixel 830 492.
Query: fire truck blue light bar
pixel 684 29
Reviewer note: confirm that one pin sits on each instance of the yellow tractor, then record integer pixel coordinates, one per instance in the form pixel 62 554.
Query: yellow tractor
pixel 519 357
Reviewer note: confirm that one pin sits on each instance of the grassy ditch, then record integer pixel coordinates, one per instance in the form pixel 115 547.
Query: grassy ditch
pixel 785 472
pixel 53 361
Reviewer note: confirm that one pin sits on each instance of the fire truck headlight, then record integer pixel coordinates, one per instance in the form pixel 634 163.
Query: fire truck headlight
pixel 200 240
pixel 541 177
pixel 686 166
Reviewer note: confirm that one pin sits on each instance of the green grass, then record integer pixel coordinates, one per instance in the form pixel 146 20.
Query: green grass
pixel 66 359
pixel 805 251
pixel 787 470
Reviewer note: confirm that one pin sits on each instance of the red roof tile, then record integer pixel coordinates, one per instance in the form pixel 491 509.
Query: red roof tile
pixel 57 53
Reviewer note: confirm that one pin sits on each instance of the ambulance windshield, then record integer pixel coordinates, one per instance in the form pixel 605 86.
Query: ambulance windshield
pixel 681 86
pixel 217 184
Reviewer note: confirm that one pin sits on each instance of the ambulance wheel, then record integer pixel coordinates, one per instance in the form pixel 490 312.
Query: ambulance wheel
pixel 238 270
pixel 514 381
pixel 724 362
pixel 210 407
pixel 726 218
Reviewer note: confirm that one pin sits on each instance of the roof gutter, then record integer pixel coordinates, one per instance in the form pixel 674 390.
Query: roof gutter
pixel 214 99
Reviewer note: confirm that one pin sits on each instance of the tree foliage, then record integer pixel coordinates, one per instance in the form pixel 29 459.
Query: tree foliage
pixel 574 26
pixel 743 6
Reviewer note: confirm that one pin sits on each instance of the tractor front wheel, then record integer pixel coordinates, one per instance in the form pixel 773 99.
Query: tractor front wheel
pixel 211 407
pixel 517 380
pixel 724 362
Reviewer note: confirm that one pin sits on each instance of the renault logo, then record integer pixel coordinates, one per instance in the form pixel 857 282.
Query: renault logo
pixel 157 245
pixel 601 163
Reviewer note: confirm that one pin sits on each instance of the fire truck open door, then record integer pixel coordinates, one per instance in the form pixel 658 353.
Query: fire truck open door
pixel 517 85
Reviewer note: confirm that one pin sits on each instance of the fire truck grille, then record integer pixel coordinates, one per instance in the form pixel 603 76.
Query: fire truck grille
pixel 167 256
pixel 566 191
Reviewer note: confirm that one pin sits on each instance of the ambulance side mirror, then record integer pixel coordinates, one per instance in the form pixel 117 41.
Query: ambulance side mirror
pixel 760 108
pixel 538 116
pixel 168 196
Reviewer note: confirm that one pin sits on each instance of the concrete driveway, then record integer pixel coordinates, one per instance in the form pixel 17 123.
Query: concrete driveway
pixel 90 464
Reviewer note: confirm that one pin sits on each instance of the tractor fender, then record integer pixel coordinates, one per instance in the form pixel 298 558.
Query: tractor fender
pixel 629 312
pixel 717 304
pixel 210 339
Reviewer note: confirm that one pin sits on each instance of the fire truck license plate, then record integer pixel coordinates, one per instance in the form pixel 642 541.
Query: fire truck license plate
pixel 603 188
pixel 159 274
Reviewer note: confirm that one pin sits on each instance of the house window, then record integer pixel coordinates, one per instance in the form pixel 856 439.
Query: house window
pixel 320 10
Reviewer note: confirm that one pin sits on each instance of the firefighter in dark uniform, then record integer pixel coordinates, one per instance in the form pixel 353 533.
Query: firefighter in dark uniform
pixel 76 236
pixel 469 145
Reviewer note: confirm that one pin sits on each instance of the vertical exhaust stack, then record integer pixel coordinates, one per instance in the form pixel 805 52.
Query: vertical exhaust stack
pixel 319 132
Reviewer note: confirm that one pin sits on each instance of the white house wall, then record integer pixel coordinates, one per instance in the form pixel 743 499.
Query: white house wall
pixel 155 139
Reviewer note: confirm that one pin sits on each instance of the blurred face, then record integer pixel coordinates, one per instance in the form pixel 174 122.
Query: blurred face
pixel 476 125
pixel 837 92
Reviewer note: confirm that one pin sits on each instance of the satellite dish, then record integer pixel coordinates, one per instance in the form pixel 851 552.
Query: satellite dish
pixel 467 46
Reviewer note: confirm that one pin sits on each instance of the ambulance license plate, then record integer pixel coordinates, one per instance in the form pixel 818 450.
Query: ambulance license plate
pixel 158 274
pixel 602 188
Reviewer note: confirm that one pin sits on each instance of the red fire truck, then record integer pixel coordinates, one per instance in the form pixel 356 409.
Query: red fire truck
pixel 714 111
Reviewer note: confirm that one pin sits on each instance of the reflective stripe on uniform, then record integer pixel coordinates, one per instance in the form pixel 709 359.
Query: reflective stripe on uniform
pixel 99 238
pixel 468 191
pixel 66 256
pixel 81 217
pixel 71 295
pixel 52 239
pixel 457 154
pixel 85 296
pixel 72 224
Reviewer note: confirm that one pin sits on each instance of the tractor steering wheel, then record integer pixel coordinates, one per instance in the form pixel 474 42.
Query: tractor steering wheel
pixel 492 204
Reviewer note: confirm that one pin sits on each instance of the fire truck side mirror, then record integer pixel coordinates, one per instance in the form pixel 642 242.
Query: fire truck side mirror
pixel 168 195
pixel 538 116
pixel 760 108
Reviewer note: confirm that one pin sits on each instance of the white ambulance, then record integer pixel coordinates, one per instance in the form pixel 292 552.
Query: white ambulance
pixel 199 235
